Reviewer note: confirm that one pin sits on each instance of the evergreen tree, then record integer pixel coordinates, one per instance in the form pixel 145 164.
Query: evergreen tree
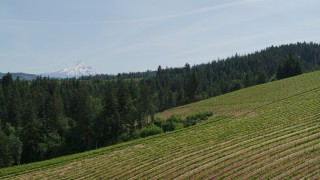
pixel 85 114
pixel 54 113
pixel 15 148
pixel 249 79
pixel 146 106
pixel 127 111
pixel 262 76
pixel 193 84
pixel 14 108
pixel 291 67
pixel 31 135
pixel 110 119
pixel 3 109
pixel 7 82
pixel 5 158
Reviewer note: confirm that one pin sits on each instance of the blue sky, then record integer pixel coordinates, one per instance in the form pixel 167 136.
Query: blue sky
pixel 38 36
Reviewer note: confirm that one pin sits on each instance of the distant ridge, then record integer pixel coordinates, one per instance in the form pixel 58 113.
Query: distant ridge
pixel 21 75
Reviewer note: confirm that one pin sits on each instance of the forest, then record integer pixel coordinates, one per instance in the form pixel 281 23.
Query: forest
pixel 46 118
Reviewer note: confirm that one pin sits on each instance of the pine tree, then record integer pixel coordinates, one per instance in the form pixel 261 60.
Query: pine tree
pixel 127 111
pixel 31 134
pixel 262 76
pixel 147 107
pixel 5 154
pixel 15 148
pixel 109 121
pixel 3 109
pixel 7 81
pixel 193 84
pixel 85 114
pixel 291 67
pixel 54 113
pixel 14 108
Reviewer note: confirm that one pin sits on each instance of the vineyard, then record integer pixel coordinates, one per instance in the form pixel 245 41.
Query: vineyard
pixel 266 131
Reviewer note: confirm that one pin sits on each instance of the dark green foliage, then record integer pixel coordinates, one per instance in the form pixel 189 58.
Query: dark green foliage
pixel 108 124
pixel 172 123
pixel 195 118
pixel 146 105
pixel 14 106
pixel 3 108
pixel 192 83
pixel 31 135
pixel 127 110
pixel 85 113
pixel 5 157
pixel 150 131
pixel 7 81
pixel 175 122
pixel 291 67
pixel 14 143
pixel 160 126
pixel 49 146
pixel 131 75
pixel 262 77
pixel 54 113
pixel 178 86
pixel 15 148
pixel 200 116
pixel 235 85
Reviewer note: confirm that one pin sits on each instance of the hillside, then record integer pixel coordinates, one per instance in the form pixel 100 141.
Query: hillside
pixel 24 76
pixel 269 130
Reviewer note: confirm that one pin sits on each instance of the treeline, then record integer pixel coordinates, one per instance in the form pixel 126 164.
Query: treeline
pixel 130 75
pixel 46 118
pixel 178 86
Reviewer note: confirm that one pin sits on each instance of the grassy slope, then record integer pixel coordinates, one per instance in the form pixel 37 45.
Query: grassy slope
pixel 270 130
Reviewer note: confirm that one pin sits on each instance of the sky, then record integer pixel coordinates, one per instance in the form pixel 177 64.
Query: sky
pixel 115 36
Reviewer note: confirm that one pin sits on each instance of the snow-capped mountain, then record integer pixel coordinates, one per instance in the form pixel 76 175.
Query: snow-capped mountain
pixel 77 71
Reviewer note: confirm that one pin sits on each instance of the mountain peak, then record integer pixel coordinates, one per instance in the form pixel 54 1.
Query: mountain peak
pixel 77 71
pixel 80 63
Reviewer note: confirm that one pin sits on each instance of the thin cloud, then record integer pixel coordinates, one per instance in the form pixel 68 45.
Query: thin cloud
pixel 160 18
pixel 193 12
pixel 202 10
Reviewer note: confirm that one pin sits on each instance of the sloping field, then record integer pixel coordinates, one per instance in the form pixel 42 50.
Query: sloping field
pixel 266 131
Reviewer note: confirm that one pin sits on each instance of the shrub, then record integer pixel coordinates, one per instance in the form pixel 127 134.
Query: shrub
pixel 174 122
pixel 150 131
pixel 158 122
pixel 124 137
pixel 195 118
